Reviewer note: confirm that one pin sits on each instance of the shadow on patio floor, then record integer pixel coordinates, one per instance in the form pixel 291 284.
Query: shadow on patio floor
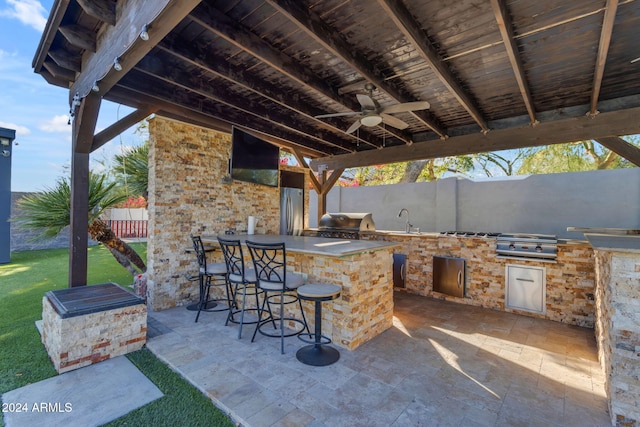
pixel 441 364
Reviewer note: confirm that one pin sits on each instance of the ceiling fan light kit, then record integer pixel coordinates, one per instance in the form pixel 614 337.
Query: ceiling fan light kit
pixel 371 120
pixel 373 114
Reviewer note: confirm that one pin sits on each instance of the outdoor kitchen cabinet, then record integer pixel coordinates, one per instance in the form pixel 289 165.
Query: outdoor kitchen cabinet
pixel 525 288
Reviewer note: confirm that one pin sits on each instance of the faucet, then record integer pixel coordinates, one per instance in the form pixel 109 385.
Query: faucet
pixel 407 226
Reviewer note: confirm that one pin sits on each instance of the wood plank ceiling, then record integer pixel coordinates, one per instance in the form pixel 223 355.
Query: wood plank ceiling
pixel 498 74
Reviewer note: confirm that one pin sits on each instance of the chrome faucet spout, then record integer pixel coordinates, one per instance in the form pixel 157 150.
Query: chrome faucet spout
pixel 407 225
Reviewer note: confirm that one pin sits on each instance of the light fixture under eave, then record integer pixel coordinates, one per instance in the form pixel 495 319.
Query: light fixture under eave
pixel 144 34
pixel 116 65
pixel 95 87
pixel 371 120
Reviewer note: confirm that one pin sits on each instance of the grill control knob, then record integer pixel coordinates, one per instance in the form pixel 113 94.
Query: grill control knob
pixel 512 247
pixel 538 248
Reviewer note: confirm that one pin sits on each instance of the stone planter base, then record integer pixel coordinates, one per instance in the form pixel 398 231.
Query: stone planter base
pixel 88 324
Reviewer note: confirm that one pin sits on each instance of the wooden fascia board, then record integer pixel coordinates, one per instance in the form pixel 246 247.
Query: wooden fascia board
pixel 623 122
pixel 58 10
pixel 123 41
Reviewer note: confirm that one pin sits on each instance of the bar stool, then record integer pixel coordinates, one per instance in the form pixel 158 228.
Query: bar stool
pixel 270 263
pixel 317 353
pixel 210 275
pixel 241 279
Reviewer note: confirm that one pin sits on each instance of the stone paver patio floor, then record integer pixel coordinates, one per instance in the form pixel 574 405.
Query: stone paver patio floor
pixel 441 364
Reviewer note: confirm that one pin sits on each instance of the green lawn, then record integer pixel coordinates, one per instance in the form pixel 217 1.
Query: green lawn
pixel 23 359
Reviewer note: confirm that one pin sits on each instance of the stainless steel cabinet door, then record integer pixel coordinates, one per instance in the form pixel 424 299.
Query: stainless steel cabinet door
pixel 525 288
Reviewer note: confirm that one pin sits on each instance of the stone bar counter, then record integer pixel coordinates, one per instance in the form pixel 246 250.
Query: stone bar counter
pixel 364 270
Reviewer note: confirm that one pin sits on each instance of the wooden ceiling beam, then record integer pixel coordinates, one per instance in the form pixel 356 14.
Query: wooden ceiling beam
pixel 621 147
pixel 624 122
pixel 160 15
pixel 603 50
pixel 59 72
pixel 220 94
pixel 186 103
pixel 207 59
pixel 416 36
pixel 508 37
pixel 218 23
pixel 311 23
pixel 104 10
pixel 66 60
pixel 79 37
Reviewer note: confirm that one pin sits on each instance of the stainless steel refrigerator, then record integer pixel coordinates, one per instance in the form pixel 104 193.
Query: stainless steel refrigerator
pixel 291 211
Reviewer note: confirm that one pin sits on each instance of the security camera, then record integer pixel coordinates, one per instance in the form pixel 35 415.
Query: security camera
pixel 6 153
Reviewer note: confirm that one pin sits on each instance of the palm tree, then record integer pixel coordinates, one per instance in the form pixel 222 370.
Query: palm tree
pixel 133 167
pixel 49 212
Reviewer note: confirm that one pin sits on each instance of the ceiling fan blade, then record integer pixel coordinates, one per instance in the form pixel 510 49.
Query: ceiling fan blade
pixel 324 116
pixel 355 126
pixel 366 102
pixel 406 106
pixel 392 121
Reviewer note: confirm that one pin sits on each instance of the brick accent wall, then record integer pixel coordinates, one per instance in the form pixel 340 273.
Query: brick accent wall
pixel 190 192
pixel 618 332
pixel 80 341
pixel 570 281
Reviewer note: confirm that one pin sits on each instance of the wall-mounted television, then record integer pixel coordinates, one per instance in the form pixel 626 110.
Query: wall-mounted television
pixel 253 159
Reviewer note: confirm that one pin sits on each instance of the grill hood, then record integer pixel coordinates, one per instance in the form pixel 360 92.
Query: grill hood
pixel 346 221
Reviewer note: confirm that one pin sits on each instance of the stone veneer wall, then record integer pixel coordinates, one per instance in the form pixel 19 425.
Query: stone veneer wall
pixel 190 192
pixel 618 332
pixel 570 281
pixel 365 306
pixel 79 341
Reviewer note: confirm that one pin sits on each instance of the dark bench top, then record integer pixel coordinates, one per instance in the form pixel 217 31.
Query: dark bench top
pixel 81 300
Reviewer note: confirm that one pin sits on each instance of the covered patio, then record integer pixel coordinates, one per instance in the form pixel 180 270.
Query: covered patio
pixel 441 364
pixel 343 84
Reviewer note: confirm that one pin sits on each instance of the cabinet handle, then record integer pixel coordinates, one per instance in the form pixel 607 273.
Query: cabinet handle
pixel 402 272
pixel 524 280
pixel 459 278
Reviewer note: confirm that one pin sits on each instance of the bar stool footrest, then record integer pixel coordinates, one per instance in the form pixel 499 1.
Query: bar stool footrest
pixel 276 333
pixel 311 339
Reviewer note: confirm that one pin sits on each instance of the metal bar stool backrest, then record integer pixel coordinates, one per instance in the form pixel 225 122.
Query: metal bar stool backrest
pixel 200 253
pixel 233 257
pixel 270 262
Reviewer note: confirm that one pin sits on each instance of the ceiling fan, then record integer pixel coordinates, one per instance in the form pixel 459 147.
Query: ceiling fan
pixel 372 114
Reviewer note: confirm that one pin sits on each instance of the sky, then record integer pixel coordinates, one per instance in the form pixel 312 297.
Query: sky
pixel 38 111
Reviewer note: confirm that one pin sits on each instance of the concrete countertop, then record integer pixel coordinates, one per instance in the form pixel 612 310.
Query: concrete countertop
pixel 311 245
pixel 611 239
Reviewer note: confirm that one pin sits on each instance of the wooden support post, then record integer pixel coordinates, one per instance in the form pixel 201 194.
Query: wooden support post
pixel 84 124
pixel 322 196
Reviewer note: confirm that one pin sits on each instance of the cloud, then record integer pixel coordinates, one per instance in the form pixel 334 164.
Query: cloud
pixel 20 130
pixel 57 124
pixel 29 12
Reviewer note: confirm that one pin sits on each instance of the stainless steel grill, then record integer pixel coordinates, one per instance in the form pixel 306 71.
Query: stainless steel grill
pixel 345 225
pixel 527 246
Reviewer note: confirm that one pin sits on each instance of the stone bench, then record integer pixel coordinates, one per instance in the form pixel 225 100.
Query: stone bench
pixel 87 324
